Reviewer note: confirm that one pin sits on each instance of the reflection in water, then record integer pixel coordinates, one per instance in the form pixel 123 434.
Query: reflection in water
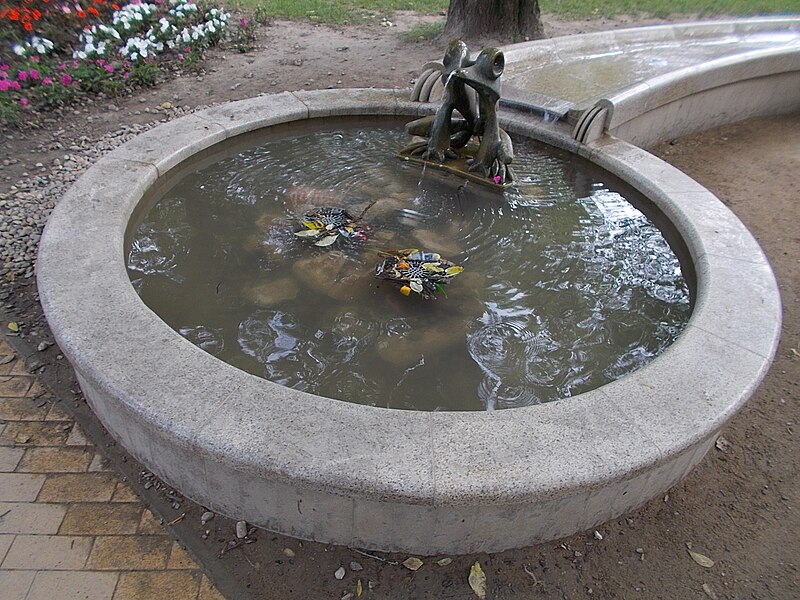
pixel 566 285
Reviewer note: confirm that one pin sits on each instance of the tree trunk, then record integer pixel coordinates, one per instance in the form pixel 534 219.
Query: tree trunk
pixel 513 20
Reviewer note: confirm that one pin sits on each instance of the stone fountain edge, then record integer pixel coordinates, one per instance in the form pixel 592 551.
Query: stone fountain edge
pixel 326 470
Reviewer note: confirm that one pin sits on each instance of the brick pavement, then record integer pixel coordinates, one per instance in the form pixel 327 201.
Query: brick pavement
pixel 70 527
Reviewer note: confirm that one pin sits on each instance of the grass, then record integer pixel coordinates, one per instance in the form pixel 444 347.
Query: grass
pixel 360 11
pixel 425 31
pixel 584 9
pixel 336 11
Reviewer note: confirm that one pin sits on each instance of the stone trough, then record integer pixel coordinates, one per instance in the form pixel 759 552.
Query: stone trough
pixel 422 482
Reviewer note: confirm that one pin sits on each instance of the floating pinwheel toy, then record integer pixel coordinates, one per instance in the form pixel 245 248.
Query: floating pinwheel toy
pixel 325 225
pixel 425 273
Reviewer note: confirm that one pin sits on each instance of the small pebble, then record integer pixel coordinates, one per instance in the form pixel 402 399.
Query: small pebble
pixel 288 552
pixel 339 574
pixel 241 529
pixel 206 517
pixel 356 566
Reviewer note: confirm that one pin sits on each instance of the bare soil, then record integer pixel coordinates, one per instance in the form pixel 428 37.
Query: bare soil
pixel 740 507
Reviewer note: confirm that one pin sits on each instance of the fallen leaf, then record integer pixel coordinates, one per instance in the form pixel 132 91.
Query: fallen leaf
pixel 701 559
pixel 794 351
pixel 443 562
pixel 22 438
pixel 709 592
pixel 326 241
pixel 14 326
pixel 455 270
pixel 477 580
pixel 307 233
pixel 359 589
pixel 4 360
pixel 166 105
pixel 412 563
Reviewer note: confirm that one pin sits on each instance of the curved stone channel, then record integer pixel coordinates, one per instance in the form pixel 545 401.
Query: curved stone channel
pixel 424 482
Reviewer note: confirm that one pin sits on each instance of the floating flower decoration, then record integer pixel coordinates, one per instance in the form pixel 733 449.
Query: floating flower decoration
pixel 425 273
pixel 325 225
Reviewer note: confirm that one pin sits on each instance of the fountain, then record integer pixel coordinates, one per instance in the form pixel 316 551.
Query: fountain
pixel 420 481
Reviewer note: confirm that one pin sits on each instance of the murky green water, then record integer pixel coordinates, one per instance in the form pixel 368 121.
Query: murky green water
pixel 566 286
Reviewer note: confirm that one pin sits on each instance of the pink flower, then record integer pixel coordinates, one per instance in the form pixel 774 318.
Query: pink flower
pixel 47 81
pixel 24 102
pixel 244 22
pixel 33 74
pixel 22 75
pixel 4 85
pixel 14 85
pixel 180 56
pixel 4 67
pixel 66 79
pixel 108 68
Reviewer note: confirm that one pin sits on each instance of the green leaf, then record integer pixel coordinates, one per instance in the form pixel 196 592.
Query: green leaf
pixel 14 326
pixel 477 580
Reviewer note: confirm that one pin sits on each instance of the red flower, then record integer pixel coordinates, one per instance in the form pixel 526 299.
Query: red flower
pixel 92 11
pixel 81 14
pixel 28 26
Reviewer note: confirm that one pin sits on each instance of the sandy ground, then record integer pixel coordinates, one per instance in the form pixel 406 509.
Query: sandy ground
pixel 739 507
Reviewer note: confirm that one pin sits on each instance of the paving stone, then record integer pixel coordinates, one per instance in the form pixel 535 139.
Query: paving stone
pixel 208 591
pixel 78 487
pixel 51 552
pixel 175 585
pixel 5 544
pixel 149 524
pixel 180 559
pixel 57 413
pixel 100 463
pixel 124 493
pixel 34 433
pixel 14 386
pixel 77 437
pixel 22 409
pixel 55 460
pixel 9 458
pixel 73 585
pixel 20 487
pixel 137 552
pixel 101 519
pixel 26 517
pixel 15 584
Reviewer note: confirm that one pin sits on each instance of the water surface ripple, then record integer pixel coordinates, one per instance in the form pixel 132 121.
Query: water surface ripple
pixel 566 285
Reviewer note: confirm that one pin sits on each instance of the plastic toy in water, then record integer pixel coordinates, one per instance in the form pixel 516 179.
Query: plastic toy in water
pixel 325 225
pixel 425 273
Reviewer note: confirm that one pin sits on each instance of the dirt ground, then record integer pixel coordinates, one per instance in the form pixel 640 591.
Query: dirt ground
pixel 740 507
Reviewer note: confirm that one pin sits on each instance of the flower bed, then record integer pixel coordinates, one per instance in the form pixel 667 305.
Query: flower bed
pixel 52 52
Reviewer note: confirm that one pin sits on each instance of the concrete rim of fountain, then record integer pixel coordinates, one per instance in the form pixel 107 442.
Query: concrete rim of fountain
pixel 424 482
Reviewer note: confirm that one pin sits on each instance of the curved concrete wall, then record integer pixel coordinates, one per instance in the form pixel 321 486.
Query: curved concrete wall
pixel 423 482
pixel 758 83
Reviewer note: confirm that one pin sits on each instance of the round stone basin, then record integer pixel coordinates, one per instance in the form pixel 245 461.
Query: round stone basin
pixel 418 481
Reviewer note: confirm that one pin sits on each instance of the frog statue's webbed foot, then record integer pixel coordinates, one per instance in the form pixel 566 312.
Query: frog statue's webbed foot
pixel 439 155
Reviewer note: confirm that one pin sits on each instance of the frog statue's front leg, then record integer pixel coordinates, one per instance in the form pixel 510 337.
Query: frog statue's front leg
pixel 496 151
pixel 446 134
